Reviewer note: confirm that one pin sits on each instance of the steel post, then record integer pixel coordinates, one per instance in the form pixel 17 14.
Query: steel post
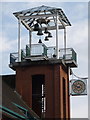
pixel 30 37
pixel 65 40
pixel 57 50
pixel 19 42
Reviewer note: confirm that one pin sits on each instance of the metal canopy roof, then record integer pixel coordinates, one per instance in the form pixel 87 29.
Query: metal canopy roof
pixel 45 16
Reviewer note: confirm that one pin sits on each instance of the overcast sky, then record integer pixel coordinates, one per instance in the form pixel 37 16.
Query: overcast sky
pixel 77 38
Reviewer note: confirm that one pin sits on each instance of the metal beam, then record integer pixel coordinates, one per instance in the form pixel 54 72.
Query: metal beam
pixel 36 16
pixel 57 50
pixel 26 25
pixel 51 28
pixel 65 40
pixel 30 38
pixel 19 42
pixel 43 28
pixel 62 23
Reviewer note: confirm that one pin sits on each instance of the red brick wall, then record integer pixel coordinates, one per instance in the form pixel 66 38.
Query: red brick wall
pixel 64 74
pixel 53 87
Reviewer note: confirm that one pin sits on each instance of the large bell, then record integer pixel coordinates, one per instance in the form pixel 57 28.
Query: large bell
pixel 39 41
pixel 36 27
pixel 46 38
pixel 46 31
pixel 49 34
pixel 39 32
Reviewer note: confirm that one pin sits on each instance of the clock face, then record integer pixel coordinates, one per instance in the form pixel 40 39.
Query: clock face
pixel 78 87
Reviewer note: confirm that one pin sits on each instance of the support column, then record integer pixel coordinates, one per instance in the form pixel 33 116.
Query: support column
pixel 19 42
pixel 57 50
pixel 30 37
pixel 65 40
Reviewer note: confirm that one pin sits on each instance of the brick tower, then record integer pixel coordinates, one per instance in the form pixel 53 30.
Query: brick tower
pixel 42 72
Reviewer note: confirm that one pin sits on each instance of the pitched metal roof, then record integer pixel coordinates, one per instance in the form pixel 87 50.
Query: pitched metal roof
pixel 30 17
pixel 12 104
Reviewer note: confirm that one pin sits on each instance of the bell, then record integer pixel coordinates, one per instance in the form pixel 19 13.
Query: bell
pixel 46 31
pixel 39 32
pixel 49 34
pixel 46 38
pixel 36 27
pixel 43 21
pixel 39 41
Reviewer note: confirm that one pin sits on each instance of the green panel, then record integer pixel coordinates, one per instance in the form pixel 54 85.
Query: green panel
pixel 8 111
pixel 74 55
pixel 44 51
pixel 9 114
pixel 26 112
pixel 20 106
pixel 22 54
pixel 27 51
pixel 64 57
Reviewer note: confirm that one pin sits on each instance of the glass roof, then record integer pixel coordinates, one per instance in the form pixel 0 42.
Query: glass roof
pixel 45 16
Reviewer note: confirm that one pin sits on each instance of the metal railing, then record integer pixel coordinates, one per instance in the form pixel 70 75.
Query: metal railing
pixel 68 54
pixel 42 50
pixel 13 57
pixel 51 52
pixel 36 50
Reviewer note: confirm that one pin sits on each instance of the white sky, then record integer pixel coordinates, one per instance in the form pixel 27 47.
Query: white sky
pixel 77 38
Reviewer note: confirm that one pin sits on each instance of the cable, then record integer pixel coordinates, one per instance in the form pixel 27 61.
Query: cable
pixel 78 76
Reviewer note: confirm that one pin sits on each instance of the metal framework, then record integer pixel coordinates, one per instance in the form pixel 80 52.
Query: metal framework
pixel 30 16
pixel 54 17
